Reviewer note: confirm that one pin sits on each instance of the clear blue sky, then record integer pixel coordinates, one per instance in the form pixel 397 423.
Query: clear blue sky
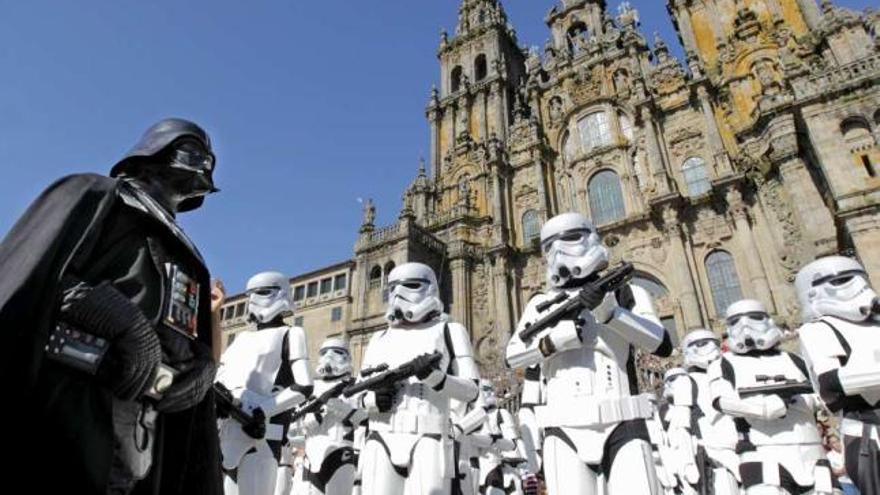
pixel 311 105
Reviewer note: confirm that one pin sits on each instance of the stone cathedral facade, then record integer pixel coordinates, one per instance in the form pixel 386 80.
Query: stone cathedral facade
pixel 718 176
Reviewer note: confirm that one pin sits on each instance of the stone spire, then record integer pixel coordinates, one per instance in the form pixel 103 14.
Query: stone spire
pixel 475 15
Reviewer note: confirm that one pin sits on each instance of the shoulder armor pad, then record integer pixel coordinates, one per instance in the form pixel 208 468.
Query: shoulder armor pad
pixel 298 345
pixel 819 338
pixel 459 340
pixel 684 392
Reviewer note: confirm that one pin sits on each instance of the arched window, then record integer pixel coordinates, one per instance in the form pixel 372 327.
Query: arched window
pixel 576 35
pixel 531 227
pixel 723 281
pixel 388 267
pixel 856 134
pixel 858 138
pixel 606 198
pixel 480 67
pixel 594 130
pixel 455 82
pixel 695 176
pixel 652 285
pixel 375 277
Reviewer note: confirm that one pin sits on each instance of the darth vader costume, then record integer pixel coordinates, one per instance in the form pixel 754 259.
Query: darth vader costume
pixel 106 328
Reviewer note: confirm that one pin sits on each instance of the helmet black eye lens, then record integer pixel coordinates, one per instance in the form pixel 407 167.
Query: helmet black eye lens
pixel 756 316
pixel 413 285
pixel 572 237
pixel 265 291
pixel 841 280
pixel 733 320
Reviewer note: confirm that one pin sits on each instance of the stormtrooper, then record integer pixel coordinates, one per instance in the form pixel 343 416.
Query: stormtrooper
pixel 501 447
pixel 840 343
pixel 593 421
pixel 714 466
pixel 768 391
pixel 268 372
pixel 330 461
pixel 408 450
pixel 467 420
pixel 664 456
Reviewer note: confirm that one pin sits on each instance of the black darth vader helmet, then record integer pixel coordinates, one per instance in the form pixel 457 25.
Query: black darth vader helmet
pixel 156 141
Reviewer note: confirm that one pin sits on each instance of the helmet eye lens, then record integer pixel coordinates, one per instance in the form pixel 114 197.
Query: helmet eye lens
pixel 572 237
pixel 733 320
pixel 756 316
pixel 191 155
pixel 841 280
pixel 264 291
pixel 412 285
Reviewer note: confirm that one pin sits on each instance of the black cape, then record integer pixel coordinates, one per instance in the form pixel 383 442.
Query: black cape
pixel 58 422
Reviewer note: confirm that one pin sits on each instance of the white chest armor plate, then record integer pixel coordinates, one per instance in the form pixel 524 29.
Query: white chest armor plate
pixel 253 360
pixel 799 424
pixel 589 385
pixel 418 409
pixel 716 429
pixel 328 437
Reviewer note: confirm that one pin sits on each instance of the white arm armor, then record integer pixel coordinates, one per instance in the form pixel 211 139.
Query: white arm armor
pixel 472 421
pixel 856 381
pixel 298 356
pixel 461 383
pixel 564 336
pixel 531 438
pixel 641 326
pixel 508 431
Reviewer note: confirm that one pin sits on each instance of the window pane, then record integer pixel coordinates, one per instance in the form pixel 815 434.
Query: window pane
pixel 336 314
pixel 326 285
pixel 299 292
pixel 606 199
pixel 594 130
pixel 239 310
pixel 696 177
pixel 723 281
pixel 312 290
pixel 339 282
pixel 531 226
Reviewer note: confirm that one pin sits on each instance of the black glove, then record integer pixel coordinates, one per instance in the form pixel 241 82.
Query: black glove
pixel 592 296
pixel 129 367
pixel 424 366
pixel 257 427
pixel 191 384
pixel 385 398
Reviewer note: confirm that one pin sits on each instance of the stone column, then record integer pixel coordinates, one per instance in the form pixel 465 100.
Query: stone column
pixel 815 218
pixel 460 290
pixel 811 13
pixel 655 156
pixel 680 272
pixel 542 190
pixel 685 27
pixel 746 239
pixel 504 321
pixel 715 21
pixel 499 230
pixel 716 144
pixel 865 233
pixel 435 143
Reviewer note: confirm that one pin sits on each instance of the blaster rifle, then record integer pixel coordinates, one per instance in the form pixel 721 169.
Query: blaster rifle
pixel 392 376
pixel 785 389
pixel 314 405
pixel 609 282
pixel 225 399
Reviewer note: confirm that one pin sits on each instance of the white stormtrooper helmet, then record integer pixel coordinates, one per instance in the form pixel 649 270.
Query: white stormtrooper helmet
pixel 669 377
pixel 268 296
pixel 836 286
pixel 413 295
pixel 572 249
pixel 749 327
pixel 334 359
pixel 487 389
pixel 700 348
